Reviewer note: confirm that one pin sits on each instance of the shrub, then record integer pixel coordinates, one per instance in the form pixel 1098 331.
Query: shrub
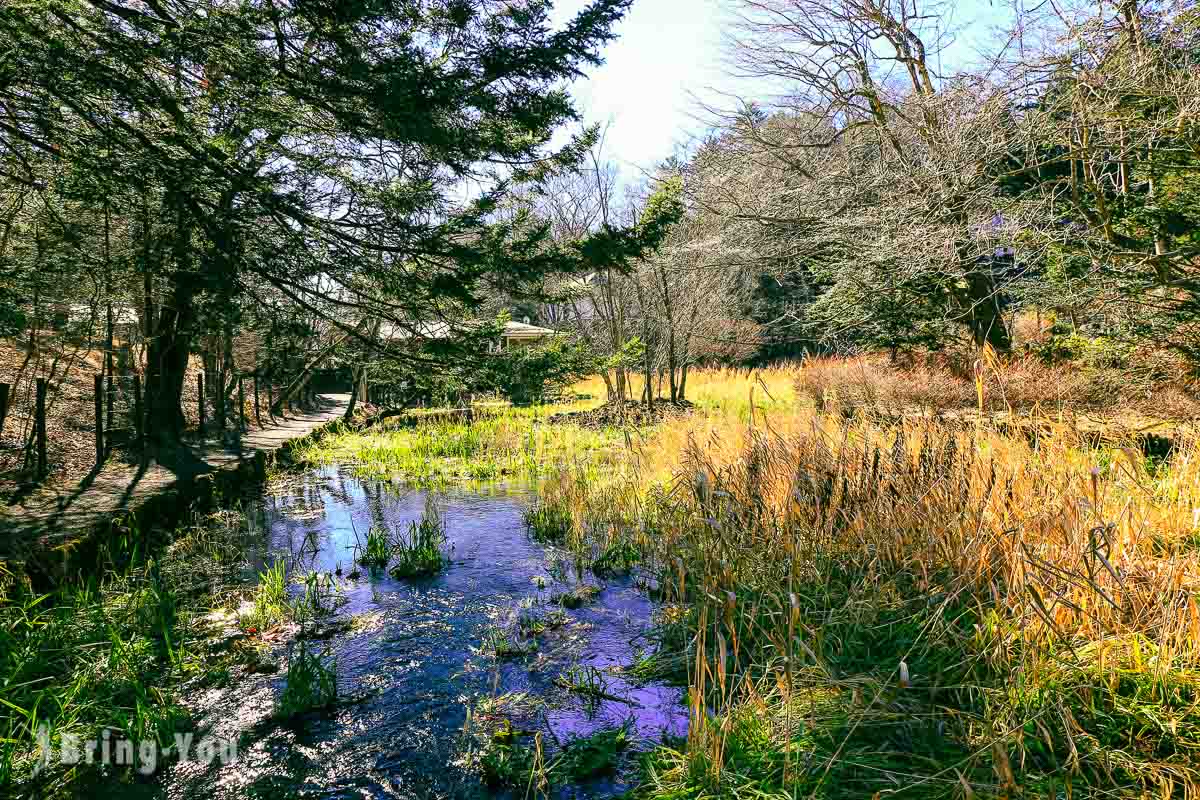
pixel 528 375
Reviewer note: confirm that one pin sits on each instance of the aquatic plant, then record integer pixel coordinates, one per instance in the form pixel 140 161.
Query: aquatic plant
pixel 321 597
pixel 586 681
pixel 617 559
pixel 270 604
pixel 311 683
pixel 548 522
pixel 503 645
pixel 378 550
pixel 585 757
pixel 575 597
pixel 507 762
pixel 421 553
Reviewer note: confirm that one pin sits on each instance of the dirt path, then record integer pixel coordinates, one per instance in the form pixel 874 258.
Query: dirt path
pixel 55 517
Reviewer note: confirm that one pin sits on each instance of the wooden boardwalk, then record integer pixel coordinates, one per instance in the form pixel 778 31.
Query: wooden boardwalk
pixel 55 518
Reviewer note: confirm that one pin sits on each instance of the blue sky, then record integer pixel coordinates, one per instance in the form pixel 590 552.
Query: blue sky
pixel 669 52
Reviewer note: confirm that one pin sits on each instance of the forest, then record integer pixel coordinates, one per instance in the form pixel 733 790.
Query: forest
pixel 371 426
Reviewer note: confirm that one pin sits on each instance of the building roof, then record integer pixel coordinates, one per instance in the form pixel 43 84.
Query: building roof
pixel 442 330
pixel 523 330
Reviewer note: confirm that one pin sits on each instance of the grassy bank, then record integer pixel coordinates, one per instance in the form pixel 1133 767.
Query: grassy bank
pixel 115 651
pixel 498 443
pixel 933 609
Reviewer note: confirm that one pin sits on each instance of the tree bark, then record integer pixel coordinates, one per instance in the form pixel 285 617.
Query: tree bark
pixel 166 367
pixel 983 316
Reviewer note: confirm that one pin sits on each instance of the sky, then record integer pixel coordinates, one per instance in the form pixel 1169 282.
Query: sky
pixel 668 58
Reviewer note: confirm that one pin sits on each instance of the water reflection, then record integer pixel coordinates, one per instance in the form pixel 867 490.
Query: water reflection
pixel 412 660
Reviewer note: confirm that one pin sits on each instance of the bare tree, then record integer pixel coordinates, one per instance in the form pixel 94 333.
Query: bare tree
pixel 874 162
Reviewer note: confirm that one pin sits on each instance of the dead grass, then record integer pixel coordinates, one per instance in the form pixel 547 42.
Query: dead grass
pixel 937 608
pixel 938 384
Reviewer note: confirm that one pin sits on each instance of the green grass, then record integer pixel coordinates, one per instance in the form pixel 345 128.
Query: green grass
pixel 113 650
pixel 504 443
pixel 506 762
pixel 378 551
pixel 271 604
pixel 587 757
pixel 503 646
pixel 549 523
pixel 618 558
pixel 311 683
pixel 421 553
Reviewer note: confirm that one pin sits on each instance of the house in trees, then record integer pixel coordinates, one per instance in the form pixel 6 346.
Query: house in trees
pixel 514 334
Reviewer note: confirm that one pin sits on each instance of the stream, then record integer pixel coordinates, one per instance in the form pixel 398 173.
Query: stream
pixel 411 658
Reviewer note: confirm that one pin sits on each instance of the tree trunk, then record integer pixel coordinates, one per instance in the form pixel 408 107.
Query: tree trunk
pixel 983 316
pixel 166 367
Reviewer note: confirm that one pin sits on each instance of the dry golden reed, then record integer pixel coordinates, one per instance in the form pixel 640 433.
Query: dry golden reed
pixel 866 605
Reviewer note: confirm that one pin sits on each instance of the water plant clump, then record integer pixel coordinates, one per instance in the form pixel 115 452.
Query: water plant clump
pixel 321 596
pixel 271 603
pixel 549 522
pixel 586 757
pixel 378 550
pixel 504 645
pixel 311 683
pixel 576 597
pixel 508 762
pixel 421 553
pixel 617 559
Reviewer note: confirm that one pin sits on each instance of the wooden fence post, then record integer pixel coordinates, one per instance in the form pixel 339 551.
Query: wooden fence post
pixel 200 400
pixel 241 404
pixel 257 413
pixel 109 398
pixel 4 389
pixel 138 422
pixel 39 428
pixel 98 384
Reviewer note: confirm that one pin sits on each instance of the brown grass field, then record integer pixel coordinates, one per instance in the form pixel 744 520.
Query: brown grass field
pixel 929 607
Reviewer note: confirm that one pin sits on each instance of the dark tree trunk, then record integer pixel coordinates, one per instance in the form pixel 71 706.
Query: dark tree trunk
pixel 983 315
pixel 166 367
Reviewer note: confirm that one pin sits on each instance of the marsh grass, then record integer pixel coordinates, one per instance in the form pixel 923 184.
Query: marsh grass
pixel 506 762
pixel 311 683
pixel 421 553
pixel 504 645
pixel 947 609
pixel 548 523
pixel 500 443
pixel 377 551
pixel 271 603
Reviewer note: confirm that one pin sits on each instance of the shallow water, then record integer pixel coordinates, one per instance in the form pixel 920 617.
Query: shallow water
pixel 414 662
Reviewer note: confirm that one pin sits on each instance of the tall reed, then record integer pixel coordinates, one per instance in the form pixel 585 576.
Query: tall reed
pixel 948 609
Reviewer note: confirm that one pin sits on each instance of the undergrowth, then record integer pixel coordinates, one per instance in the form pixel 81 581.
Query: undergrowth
pixel 113 650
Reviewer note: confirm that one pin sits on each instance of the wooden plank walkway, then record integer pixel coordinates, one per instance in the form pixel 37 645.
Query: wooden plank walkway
pixel 55 516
